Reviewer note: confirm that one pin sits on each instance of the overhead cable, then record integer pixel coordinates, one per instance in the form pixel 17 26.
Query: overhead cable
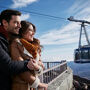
pixel 37 13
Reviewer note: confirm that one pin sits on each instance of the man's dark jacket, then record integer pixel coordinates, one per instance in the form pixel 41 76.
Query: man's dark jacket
pixel 8 67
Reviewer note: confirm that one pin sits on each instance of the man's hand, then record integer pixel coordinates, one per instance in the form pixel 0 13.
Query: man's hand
pixel 32 65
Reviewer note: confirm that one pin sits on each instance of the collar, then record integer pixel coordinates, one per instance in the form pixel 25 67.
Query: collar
pixel 3 31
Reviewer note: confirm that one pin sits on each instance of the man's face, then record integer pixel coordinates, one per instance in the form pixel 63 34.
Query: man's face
pixel 14 25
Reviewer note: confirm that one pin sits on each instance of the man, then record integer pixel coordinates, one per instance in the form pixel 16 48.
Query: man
pixel 10 24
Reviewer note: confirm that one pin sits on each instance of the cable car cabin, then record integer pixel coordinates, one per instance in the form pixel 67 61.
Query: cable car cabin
pixel 82 55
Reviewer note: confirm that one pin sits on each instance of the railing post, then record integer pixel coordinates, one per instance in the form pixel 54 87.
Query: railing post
pixel 47 65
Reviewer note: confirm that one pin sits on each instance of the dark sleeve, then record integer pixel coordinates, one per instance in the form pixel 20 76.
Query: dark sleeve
pixel 11 66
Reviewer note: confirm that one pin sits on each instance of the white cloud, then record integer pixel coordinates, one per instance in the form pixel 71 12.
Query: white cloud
pixel 66 35
pixel 21 3
pixel 78 6
pixel 25 16
pixel 65 54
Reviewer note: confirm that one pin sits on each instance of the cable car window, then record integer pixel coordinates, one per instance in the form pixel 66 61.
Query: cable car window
pixel 77 54
pixel 89 54
pixel 84 54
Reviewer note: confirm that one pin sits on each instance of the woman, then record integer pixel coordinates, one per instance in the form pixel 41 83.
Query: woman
pixel 24 48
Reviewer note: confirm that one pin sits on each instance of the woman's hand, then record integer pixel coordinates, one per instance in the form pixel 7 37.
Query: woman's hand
pixel 41 64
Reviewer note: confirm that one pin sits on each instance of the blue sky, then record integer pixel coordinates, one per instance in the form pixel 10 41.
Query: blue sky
pixel 58 35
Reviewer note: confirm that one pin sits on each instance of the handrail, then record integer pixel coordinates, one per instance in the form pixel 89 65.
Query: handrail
pixel 52 64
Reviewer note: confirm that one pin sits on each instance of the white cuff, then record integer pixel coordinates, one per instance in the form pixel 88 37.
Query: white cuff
pixel 39 71
pixel 36 83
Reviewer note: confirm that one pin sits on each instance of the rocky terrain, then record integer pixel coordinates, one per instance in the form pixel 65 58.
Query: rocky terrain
pixel 81 83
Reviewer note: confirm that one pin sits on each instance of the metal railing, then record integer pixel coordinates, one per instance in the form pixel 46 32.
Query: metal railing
pixel 52 71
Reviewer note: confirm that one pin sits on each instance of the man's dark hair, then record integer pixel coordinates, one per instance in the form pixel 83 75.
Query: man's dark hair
pixel 7 14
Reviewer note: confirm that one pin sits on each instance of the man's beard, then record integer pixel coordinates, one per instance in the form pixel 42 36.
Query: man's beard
pixel 13 35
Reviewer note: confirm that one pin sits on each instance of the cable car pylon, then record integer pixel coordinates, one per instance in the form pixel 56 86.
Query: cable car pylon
pixel 82 28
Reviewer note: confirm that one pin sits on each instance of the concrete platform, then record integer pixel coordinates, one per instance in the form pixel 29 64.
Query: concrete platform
pixel 63 81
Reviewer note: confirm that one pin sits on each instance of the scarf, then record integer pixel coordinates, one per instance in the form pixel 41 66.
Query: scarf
pixel 31 48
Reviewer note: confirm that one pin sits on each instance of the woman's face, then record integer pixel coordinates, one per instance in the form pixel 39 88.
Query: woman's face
pixel 29 34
